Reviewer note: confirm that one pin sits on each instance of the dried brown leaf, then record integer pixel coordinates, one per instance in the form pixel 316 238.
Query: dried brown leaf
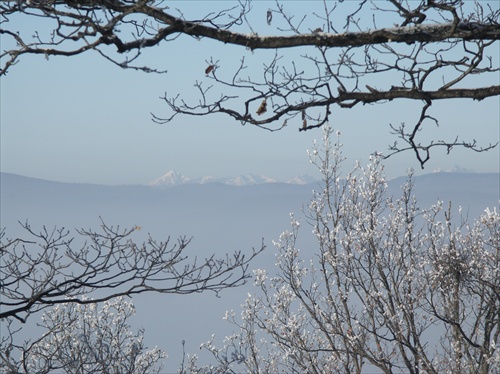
pixel 262 108
pixel 209 69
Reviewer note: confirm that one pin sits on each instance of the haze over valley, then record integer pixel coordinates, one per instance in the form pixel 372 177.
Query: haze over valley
pixel 221 218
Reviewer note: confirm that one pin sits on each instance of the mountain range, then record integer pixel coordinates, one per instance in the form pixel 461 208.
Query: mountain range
pixel 193 203
pixel 173 178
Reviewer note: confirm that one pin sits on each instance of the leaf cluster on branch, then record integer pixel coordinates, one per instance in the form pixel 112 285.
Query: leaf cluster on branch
pixel 355 53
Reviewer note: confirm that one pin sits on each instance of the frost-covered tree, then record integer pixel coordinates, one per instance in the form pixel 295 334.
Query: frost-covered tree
pixel 325 56
pixel 45 268
pixel 389 288
pixel 87 339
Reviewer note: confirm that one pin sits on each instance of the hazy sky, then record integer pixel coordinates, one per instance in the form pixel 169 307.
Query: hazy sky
pixel 83 119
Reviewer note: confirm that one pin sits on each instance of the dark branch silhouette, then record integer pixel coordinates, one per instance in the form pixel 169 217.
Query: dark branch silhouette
pixel 374 52
pixel 52 267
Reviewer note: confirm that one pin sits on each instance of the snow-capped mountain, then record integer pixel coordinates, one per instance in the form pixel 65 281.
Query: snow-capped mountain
pixel 173 178
pixel 169 179
pixel 302 179
pixel 454 169
pixel 206 179
pixel 249 179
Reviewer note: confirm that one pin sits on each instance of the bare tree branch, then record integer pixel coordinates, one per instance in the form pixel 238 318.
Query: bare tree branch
pixel 53 267
pixel 386 50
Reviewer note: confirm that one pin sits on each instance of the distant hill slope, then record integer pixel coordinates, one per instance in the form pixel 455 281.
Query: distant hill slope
pixel 473 191
pixel 69 204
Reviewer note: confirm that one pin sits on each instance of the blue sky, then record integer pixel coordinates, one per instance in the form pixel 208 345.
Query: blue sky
pixel 82 119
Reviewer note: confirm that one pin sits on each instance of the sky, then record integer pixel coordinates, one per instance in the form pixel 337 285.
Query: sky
pixel 82 119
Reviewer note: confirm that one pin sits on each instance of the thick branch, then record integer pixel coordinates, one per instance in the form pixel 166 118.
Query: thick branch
pixel 398 93
pixel 419 33
pixel 346 65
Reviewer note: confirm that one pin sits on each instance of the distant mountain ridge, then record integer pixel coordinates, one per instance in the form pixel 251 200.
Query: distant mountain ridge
pixel 174 178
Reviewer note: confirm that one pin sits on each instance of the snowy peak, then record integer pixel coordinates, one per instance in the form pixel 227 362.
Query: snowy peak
pixel 169 179
pixel 301 179
pixel 454 169
pixel 173 178
pixel 206 179
pixel 249 179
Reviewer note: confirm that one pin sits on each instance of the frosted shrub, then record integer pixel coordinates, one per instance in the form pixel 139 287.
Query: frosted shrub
pixel 85 339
